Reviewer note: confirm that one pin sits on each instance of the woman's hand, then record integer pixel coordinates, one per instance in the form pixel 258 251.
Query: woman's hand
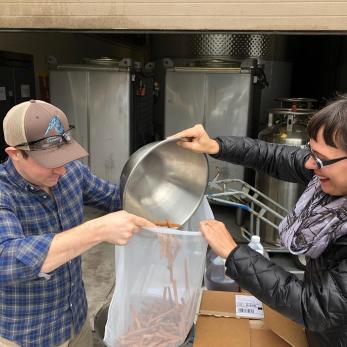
pixel 218 237
pixel 198 140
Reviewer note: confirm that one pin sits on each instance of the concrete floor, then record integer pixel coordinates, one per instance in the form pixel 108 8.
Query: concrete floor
pixel 98 275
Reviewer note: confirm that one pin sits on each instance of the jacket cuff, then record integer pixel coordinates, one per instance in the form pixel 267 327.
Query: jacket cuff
pixel 218 154
pixel 231 254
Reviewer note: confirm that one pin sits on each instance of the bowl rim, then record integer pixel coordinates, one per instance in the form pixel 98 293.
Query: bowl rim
pixel 156 145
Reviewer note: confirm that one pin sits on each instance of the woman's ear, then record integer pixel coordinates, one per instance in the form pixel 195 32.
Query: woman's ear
pixel 13 153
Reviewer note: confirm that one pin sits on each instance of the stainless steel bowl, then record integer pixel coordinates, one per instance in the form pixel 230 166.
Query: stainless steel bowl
pixel 163 181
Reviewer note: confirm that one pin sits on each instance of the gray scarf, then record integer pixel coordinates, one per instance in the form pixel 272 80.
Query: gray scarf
pixel 316 220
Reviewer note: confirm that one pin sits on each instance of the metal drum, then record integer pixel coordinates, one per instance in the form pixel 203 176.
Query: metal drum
pixel 287 127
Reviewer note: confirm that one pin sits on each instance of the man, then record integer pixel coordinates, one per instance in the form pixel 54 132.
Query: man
pixel 42 192
pixel 317 227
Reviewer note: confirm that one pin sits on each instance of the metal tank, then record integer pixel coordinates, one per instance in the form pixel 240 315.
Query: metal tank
pixel 286 126
pixel 224 50
pixel 297 103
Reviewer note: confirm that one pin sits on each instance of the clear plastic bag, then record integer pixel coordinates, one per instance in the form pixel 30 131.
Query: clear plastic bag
pixel 158 282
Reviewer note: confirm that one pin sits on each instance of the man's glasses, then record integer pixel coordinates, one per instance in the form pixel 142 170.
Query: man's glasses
pixel 321 163
pixel 48 142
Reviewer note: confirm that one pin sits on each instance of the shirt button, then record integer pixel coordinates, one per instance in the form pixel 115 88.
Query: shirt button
pixel 73 284
pixel 70 305
pixel 70 262
pixel 31 188
pixel 45 196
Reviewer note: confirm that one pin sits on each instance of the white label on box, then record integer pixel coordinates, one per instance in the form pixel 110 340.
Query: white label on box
pixel 249 307
pixel 25 90
pixel 2 93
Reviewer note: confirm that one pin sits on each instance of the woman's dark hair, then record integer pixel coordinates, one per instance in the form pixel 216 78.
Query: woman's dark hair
pixel 333 119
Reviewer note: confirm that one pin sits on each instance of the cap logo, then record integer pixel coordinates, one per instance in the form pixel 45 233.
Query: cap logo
pixel 55 123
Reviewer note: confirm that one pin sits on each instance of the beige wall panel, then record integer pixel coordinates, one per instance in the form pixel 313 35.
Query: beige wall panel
pixel 155 2
pixel 175 15
pixel 220 11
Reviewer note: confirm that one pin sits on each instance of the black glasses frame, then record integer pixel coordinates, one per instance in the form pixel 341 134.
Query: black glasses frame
pixel 65 136
pixel 319 162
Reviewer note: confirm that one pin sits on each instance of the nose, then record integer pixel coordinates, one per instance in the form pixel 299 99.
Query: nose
pixel 59 170
pixel 310 164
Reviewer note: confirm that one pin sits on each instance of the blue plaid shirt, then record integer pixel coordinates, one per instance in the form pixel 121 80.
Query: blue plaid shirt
pixel 39 309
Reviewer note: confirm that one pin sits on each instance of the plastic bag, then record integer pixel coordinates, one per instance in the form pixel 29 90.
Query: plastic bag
pixel 158 282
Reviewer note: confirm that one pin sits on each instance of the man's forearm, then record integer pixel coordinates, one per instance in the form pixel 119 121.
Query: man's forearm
pixel 70 244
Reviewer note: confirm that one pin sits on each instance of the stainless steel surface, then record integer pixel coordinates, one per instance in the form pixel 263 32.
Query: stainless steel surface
pixel 218 62
pixel 68 91
pixel 286 126
pixel 97 102
pixel 219 46
pixel 286 118
pixel 125 64
pixel 289 129
pixel 163 181
pixel 261 208
pixel 296 112
pixel 184 100
pixel 105 61
pixel 286 193
pixel 109 130
pixel 235 45
pixel 205 69
pixel 219 101
pixel 227 112
pixel 300 103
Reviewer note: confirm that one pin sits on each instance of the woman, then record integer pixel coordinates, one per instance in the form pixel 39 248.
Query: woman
pixel 317 226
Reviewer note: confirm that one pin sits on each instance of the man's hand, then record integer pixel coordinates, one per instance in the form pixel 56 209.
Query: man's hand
pixel 218 237
pixel 198 140
pixel 119 227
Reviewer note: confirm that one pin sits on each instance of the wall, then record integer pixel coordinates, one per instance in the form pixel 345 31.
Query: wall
pixel 175 15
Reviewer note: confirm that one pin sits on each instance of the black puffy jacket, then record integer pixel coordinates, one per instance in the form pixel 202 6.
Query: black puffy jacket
pixel 319 301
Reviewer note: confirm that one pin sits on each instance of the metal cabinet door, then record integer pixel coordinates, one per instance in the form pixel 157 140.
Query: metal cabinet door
pixel 227 113
pixel 184 100
pixel 68 90
pixel 109 116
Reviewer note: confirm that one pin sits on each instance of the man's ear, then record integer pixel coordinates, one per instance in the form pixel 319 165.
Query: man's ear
pixel 13 153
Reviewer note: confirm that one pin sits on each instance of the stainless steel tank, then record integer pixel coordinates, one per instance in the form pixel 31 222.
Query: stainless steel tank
pixel 288 127
pixel 297 103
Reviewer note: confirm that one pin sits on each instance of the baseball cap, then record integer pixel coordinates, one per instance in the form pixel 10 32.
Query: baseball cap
pixel 43 131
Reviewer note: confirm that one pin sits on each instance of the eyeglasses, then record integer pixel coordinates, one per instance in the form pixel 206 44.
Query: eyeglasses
pixel 319 162
pixel 48 142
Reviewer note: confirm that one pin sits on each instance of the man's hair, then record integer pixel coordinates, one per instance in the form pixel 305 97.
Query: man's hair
pixel 333 120
pixel 24 153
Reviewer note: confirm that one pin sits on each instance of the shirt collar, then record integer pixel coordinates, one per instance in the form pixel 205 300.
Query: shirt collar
pixel 17 179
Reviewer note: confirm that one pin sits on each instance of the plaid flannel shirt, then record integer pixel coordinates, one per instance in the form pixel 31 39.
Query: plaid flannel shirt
pixel 39 309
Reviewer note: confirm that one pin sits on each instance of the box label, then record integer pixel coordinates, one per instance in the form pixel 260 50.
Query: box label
pixel 249 307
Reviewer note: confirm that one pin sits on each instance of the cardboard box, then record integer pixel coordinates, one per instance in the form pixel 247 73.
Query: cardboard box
pixel 218 326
